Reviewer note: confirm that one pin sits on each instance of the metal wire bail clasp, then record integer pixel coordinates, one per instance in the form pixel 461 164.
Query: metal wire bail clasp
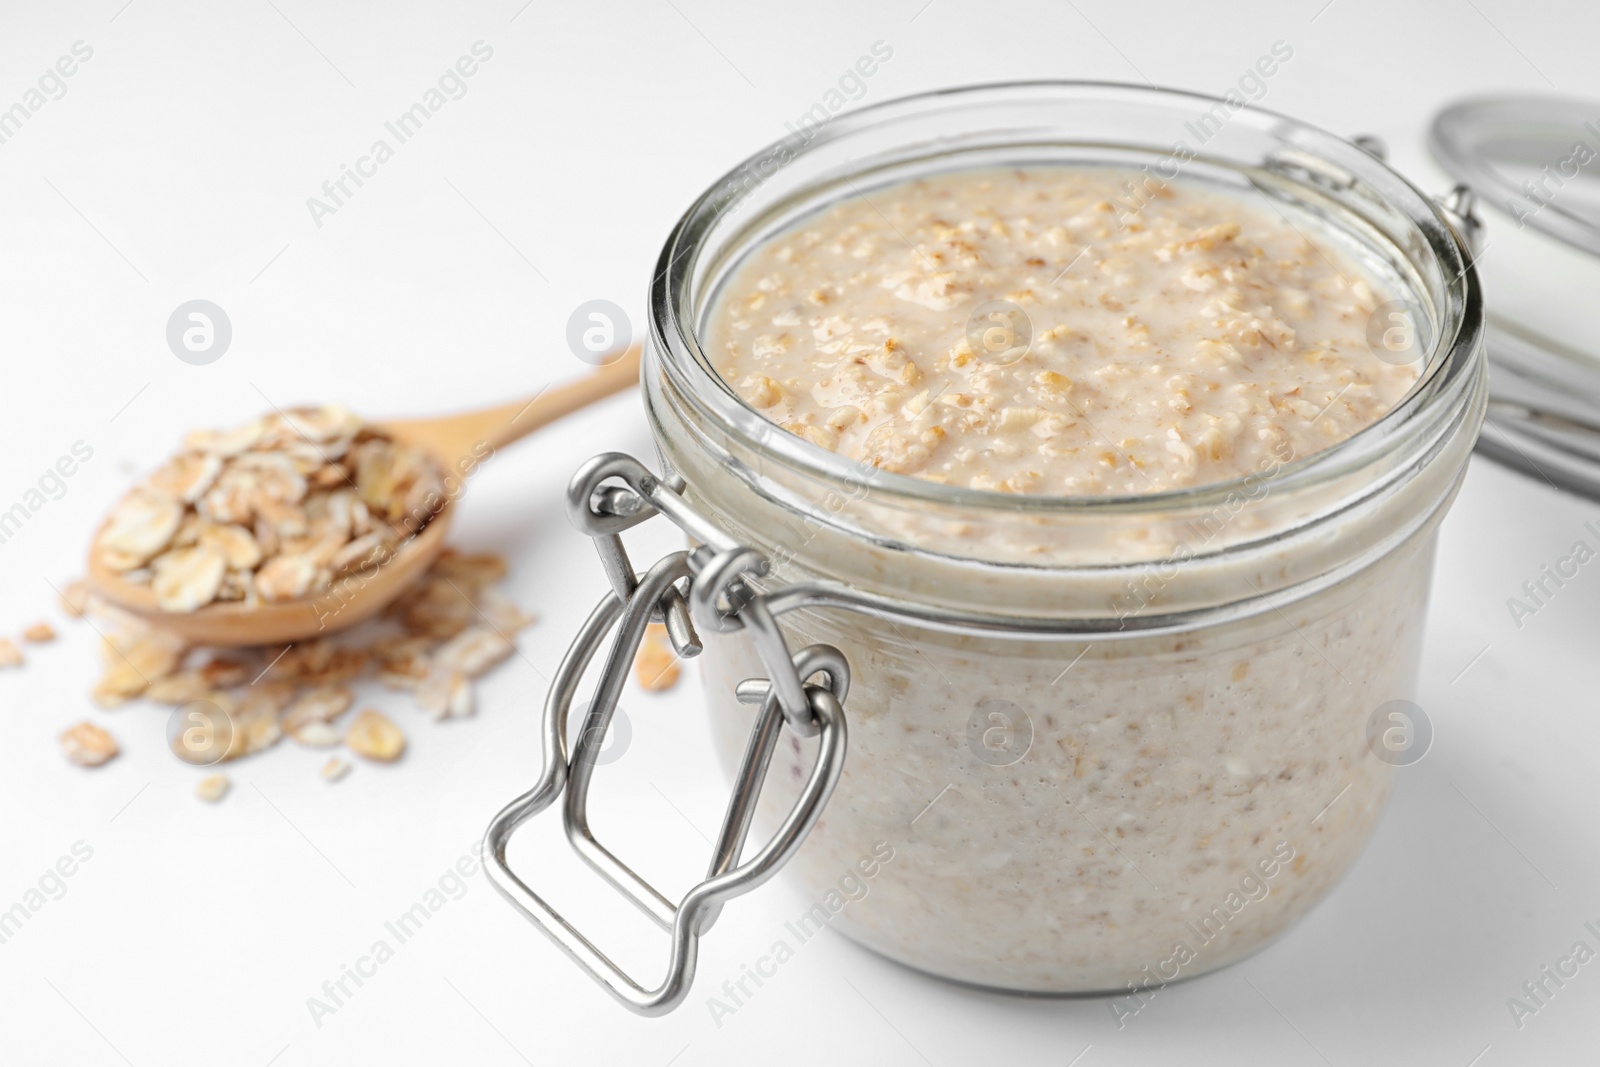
pixel 706 588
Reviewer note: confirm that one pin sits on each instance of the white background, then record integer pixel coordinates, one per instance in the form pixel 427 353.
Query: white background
pixel 178 165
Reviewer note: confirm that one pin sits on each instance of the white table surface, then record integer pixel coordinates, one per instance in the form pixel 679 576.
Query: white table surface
pixel 177 165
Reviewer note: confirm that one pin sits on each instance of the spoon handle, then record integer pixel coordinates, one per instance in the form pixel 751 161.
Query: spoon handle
pixel 456 436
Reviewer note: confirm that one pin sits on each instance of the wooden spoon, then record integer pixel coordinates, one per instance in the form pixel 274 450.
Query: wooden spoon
pixel 453 440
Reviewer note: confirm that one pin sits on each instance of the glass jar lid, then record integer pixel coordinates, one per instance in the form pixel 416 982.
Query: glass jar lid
pixel 1535 160
pixel 1535 157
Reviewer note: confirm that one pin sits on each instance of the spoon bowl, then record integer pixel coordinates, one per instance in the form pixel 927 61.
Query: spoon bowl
pixel 233 623
pixel 453 441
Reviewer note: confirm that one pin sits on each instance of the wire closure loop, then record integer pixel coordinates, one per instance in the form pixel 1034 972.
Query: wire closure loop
pixel 705 588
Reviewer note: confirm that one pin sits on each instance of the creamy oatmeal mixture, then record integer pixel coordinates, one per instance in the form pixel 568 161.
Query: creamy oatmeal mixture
pixel 1085 815
pixel 1065 815
pixel 1029 331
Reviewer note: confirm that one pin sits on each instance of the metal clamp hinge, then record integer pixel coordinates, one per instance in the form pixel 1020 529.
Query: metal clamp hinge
pixel 707 588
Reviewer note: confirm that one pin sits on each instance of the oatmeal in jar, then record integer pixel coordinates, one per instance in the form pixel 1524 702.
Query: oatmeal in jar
pixel 1029 331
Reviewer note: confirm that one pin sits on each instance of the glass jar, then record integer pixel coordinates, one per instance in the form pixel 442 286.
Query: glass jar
pixel 1144 724
pixel 1095 743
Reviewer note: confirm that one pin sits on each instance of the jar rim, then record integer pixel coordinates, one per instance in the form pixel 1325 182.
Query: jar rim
pixel 680 355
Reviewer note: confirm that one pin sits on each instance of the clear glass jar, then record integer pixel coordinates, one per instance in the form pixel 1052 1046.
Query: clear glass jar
pixel 1094 741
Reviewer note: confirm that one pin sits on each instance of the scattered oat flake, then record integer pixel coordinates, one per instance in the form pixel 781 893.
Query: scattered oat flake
pixel 75 598
pixel 133 659
pixel 502 615
pixel 445 694
pixel 88 745
pixel 177 688
pixel 273 696
pixel 365 551
pixel 221 672
pixel 212 788
pixel 10 654
pixel 39 633
pixel 473 651
pixel 286 577
pixel 403 676
pixel 403 662
pixel 254 727
pixel 375 737
pixel 187 476
pixel 235 543
pixel 318 662
pixel 139 528
pixel 336 768
pixel 656 665
pixel 315 735
pixel 471 572
pixel 320 704
pixel 188 578
pixel 436 608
